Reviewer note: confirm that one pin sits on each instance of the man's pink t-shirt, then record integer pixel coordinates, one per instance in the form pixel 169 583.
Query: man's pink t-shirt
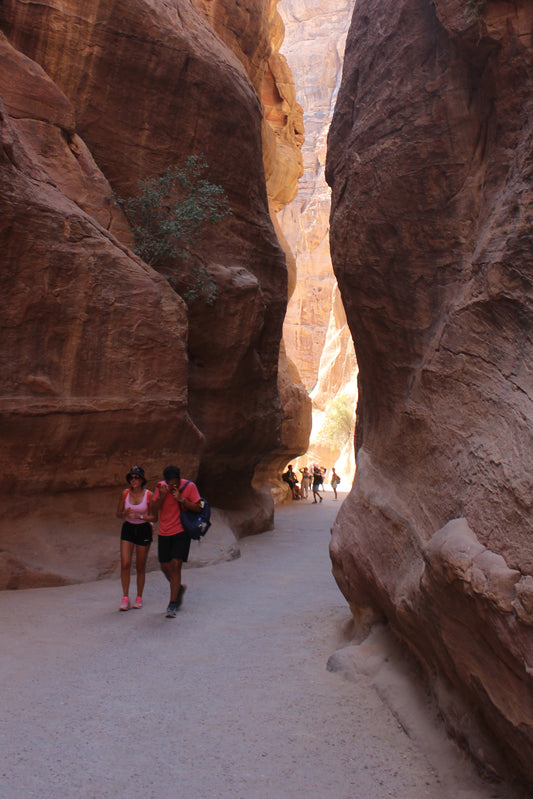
pixel 169 513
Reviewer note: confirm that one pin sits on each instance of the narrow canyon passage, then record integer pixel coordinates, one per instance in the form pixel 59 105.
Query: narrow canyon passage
pixel 231 699
pixel 111 358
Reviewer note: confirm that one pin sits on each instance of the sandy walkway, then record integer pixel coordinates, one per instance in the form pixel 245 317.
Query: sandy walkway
pixel 231 699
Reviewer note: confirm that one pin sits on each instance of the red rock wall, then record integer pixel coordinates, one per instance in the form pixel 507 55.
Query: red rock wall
pixel 106 365
pixel 247 29
pixel 429 159
pixel 78 308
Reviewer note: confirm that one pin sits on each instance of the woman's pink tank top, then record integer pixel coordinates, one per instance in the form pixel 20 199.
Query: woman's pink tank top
pixel 142 507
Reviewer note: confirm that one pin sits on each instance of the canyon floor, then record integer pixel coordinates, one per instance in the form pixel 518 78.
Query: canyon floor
pixel 232 699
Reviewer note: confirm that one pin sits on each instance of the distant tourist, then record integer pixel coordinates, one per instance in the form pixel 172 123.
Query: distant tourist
pixel 318 479
pixel 305 481
pixel 335 480
pixel 290 478
pixel 172 494
pixel 135 508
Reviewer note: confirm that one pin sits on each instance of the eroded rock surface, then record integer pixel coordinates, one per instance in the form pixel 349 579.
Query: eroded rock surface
pixel 105 364
pixel 429 159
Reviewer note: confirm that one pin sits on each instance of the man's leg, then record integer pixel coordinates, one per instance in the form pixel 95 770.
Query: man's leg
pixel 172 571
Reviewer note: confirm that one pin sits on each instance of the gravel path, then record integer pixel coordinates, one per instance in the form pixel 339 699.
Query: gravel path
pixel 231 699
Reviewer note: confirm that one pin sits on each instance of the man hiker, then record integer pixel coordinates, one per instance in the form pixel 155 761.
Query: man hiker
pixel 171 495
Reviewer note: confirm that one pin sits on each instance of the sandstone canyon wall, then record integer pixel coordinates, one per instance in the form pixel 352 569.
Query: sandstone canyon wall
pixel 429 159
pixel 282 139
pixel 334 399
pixel 313 45
pixel 316 334
pixel 104 364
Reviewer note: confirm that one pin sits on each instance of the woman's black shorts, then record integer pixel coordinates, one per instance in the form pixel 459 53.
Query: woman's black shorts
pixel 173 547
pixel 138 534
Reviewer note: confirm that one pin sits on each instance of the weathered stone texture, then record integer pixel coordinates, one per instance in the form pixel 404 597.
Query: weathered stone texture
pixel 103 363
pixel 429 159
pixel 83 389
pixel 284 129
pixel 78 310
pixel 143 102
pixel 247 29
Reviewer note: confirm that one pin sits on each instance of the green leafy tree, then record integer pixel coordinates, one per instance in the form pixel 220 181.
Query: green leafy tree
pixel 168 216
pixel 338 422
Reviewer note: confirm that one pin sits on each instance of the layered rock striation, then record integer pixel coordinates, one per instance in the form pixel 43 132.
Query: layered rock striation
pixel 104 363
pixel 429 160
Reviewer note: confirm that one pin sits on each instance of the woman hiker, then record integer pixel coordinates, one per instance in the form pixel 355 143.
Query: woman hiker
pixel 136 533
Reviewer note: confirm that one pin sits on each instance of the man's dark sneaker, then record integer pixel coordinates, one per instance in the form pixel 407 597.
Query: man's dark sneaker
pixel 171 610
pixel 181 591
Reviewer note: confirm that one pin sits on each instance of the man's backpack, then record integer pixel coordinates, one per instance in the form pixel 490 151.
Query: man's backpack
pixel 196 524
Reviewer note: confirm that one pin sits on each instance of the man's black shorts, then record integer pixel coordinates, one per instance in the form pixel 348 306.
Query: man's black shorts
pixel 173 547
pixel 138 534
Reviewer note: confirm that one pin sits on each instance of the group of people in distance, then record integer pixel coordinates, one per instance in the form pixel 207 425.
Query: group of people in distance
pixel 313 479
pixel 140 508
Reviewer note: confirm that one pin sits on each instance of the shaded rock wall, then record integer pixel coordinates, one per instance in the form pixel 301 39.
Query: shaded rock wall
pixel 429 159
pixel 106 365
pixel 79 309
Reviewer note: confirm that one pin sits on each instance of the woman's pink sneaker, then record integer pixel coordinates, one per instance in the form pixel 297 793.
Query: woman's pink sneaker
pixel 138 602
pixel 125 604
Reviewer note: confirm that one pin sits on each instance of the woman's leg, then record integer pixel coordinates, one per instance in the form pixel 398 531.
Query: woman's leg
pixel 126 551
pixel 141 556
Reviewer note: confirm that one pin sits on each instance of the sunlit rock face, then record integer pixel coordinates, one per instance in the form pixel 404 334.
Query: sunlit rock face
pixel 107 366
pixel 283 137
pixel 429 159
pixel 333 397
pixel 316 335
pixel 313 45
pixel 247 29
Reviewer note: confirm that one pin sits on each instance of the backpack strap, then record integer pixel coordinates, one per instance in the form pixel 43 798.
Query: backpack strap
pixel 187 482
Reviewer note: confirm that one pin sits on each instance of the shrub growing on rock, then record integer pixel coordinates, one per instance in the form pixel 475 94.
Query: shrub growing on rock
pixel 167 217
pixel 474 8
pixel 338 422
